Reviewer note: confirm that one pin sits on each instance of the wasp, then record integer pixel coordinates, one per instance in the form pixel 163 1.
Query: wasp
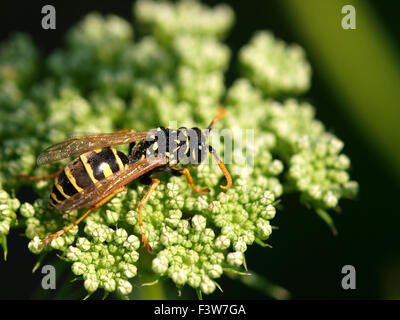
pixel 100 172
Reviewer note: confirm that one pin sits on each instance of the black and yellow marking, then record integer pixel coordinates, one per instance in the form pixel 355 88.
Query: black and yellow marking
pixel 118 159
pixel 81 176
pixel 56 194
pixel 123 158
pixel 103 163
pixel 85 171
pixel 54 197
pixel 64 185
pixel 88 167
pixel 51 203
pixel 72 179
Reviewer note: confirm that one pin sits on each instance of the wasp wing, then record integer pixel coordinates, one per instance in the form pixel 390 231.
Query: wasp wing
pixel 77 146
pixel 103 188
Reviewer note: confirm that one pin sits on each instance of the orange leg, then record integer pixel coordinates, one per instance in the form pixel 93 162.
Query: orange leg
pixel 30 178
pixel 219 116
pixel 223 169
pixel 97 205
pixel 189 180
pixel 154 184
pixel 226 174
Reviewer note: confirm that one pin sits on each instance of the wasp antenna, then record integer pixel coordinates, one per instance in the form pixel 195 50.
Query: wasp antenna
pixel 222 167
pixel 219 116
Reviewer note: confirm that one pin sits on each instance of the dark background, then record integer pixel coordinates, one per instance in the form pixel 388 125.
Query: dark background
pixel 306 259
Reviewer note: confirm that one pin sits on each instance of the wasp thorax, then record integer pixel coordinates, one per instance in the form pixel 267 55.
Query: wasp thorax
pixel 180 146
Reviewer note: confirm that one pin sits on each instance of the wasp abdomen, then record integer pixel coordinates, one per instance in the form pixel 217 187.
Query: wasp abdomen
pixel 85 171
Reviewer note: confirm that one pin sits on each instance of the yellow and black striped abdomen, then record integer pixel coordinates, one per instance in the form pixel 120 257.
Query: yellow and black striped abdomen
pixel 85 171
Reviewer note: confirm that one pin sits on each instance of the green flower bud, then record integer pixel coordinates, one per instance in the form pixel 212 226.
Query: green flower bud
pixel 83 244
pixel 91 285
pixel 342 162
pixel 130 270
pixel 160 264
pixel 330 199
pixel 4 227
pixel 207 285
pixel 124 287
pixel 240 245
pixel 109 285
pixel 269 212
pixel 222 242
pixel 131 217
pixel 173 218
pixel 73 253
pixel 199 222
pixel 57 243
pixel 276 167
pixel 194 280
pixel 78 268
pixel 179 277
pixel 264 229
pixel 107 261
pixel 35 245
pixel 112 216
pixel 27 210
pixel 235 259
pixel 215 271
pixel 120 236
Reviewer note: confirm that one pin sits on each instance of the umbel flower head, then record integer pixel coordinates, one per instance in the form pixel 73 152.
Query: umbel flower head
pixel 8 216
pixel 103 81
pixel 275 67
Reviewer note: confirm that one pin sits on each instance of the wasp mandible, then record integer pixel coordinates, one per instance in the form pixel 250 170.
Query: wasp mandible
pixel 101 172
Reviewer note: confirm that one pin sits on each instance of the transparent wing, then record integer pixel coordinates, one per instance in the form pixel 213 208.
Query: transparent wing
pixel 77 146
pixel 81 134
pixel 106 186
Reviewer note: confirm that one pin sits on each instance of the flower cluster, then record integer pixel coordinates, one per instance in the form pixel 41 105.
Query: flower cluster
pixel 191 255
pixel 248 220
pixel 186 17
pixel 8 216
pixel 105 259
pixel 317 168
pixel 103 81
pixel 41 221
pixel 273 66
pixel 319 171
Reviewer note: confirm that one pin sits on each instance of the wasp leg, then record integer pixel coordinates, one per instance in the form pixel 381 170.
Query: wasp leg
pixel 31 178
pixel 153 185
pixel 83 216
pixel 222 167
pixel 189 180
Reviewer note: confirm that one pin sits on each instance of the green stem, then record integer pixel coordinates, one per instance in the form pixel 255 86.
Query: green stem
pixel 328 220
pixel 39 261
pixel 260 283
pixel 3 241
